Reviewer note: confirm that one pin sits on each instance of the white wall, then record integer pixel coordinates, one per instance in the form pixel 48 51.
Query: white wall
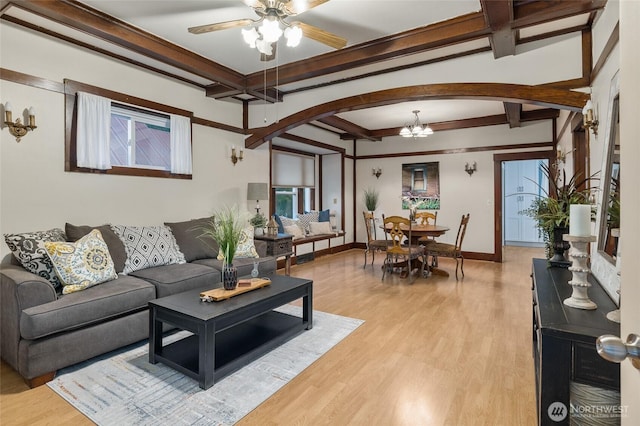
pixel 460 193
pixel 35 191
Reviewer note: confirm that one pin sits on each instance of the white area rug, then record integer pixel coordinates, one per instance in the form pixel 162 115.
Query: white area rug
pixel 123 388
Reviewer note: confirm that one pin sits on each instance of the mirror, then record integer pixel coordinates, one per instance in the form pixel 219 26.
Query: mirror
pixel 610 223
pixel 605 256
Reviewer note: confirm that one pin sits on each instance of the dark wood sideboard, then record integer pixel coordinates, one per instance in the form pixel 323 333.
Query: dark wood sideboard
pixel 564 351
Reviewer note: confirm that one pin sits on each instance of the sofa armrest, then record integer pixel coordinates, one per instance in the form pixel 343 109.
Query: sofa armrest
pixel 19 290
pixel 261 247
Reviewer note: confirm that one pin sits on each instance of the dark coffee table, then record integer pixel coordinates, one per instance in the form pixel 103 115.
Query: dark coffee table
pixel 229 334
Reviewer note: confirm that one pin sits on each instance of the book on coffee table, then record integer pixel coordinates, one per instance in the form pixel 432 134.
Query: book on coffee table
pixel 244 285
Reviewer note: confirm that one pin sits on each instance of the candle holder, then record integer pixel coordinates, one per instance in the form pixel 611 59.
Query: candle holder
pixel 579 258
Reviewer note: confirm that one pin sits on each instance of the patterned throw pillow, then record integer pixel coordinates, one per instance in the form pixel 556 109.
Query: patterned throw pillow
pixel 318 228
pixel 82 264
pixel 305 219
pixel 246 247
pixel 29 249
pixel 148 246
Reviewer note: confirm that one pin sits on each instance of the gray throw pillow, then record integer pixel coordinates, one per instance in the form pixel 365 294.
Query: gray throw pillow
pixel 192 245
pixel 116 248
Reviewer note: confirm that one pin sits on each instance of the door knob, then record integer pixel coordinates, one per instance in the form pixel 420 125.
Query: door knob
pixel 613 349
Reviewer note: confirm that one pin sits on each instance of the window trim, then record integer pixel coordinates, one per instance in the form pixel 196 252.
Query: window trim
pixel 70 160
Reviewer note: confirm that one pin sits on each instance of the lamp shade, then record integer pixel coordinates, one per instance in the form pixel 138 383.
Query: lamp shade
pixel 257 191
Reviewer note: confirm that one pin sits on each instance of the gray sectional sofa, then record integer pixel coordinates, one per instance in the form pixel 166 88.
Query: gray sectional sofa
pixel 42 330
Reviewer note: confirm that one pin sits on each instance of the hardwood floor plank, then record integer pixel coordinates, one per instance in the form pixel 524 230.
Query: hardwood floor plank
pixel 435 352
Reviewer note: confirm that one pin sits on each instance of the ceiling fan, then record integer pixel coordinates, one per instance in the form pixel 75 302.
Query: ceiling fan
pixel 272 15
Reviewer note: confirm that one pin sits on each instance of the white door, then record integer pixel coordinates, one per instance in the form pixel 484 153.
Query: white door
pixel 522 180
pixel 630 223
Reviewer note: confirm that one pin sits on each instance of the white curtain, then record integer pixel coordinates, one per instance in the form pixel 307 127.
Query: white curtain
pixel 94 130
pixel 180 144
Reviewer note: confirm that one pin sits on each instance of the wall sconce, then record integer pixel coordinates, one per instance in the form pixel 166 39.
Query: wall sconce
pixel 16 128
pixel 590 121
pixel 236 157
pixel 470 169
pixel 376 171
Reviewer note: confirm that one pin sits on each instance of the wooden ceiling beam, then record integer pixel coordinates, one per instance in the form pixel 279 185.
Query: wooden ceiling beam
pixel 353 131
pixel 311 142
pixel 555 98
pixel 81 17
pixel 513 112
pixel 526 14
pixel 457 30
pixel 499 17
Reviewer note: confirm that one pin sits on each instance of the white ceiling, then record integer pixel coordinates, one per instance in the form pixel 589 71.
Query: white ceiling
pixel 358 21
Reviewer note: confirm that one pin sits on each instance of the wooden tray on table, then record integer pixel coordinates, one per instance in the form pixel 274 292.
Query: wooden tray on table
pixel 244 285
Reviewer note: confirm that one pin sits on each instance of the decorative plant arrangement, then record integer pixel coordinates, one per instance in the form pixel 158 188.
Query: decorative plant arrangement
pixel 259 222
pixel 226 229
pixel 551 211
pixel 371 198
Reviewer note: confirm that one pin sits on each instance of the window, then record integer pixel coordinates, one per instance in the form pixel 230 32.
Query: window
pixel 140 138
pixel 114 133
pixel 291 201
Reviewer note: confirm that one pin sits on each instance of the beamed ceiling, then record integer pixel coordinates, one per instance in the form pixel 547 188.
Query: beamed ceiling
pixel 382 37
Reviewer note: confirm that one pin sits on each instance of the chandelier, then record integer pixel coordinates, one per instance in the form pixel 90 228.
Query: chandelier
pixel 267 30
pixel 416 130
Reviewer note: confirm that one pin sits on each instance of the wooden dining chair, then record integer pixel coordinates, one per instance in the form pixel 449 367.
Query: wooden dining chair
pixel 436 249
pixel 373 244
pixel 398 253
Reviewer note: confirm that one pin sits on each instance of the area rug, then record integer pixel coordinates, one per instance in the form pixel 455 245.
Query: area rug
pixel 123 388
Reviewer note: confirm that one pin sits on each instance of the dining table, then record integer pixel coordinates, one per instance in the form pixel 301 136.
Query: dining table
pixel 418 231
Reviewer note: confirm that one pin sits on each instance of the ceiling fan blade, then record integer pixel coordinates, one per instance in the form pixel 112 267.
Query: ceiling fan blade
pixel 295 7
pixel 220 26
pixel 322 36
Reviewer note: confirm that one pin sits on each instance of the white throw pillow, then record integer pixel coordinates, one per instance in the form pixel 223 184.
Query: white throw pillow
pixel 148 246
pixel 294 230
pixel 318 228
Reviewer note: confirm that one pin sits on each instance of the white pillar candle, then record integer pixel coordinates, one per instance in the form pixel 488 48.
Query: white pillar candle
pixel 580 220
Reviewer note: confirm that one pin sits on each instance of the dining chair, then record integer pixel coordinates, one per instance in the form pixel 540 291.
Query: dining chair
pixel 435 249
pixel 398 253
pixel 427 218
pixel 373 244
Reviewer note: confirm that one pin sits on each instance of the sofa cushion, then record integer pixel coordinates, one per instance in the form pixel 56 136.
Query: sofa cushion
pixel 148 246
pixel 324 216
pixel 172 279
pixel 116 247
pixel 82 264
pixel 29 249
pixel 192 243
pixel 91 306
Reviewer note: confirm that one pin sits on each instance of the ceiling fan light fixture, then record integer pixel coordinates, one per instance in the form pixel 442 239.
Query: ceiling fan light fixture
pixel 270 30
pixel 250 36
pixel 293 35
pixel 264 47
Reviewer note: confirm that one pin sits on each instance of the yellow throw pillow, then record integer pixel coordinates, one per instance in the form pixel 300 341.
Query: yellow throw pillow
pixel 82 264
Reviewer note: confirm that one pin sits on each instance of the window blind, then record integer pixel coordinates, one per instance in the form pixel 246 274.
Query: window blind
pixel 292 170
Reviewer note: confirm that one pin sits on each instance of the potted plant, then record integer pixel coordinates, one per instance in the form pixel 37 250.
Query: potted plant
pixel 259 222
pixel 226 227
pixel 551 210
pixel 371 198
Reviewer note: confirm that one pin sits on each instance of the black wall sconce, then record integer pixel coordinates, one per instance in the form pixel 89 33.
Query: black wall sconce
pixel 376 171
pixel 470 169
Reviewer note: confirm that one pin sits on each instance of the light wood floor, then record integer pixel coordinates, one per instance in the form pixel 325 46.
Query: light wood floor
pixel 435 352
